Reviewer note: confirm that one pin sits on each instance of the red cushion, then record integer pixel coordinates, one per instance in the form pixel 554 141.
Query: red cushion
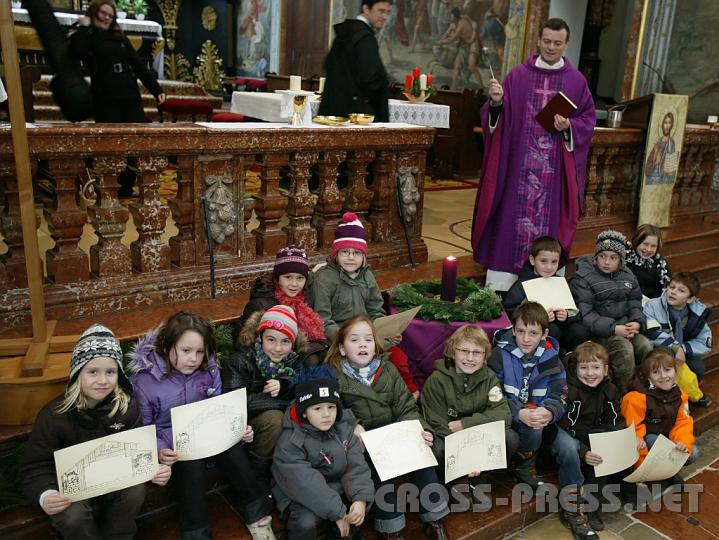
pixel 241 81
pixel 185 106
pixel 260 85
pixel 228 117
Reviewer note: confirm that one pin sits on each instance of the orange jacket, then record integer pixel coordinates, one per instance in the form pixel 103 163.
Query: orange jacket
pixel 634 409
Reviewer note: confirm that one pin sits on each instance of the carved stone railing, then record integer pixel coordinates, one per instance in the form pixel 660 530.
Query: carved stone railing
pixel 308 177
pixel 614 170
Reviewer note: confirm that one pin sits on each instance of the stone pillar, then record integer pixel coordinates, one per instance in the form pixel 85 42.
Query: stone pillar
pixel 301 202
pixel 66 262
pixel 357 196
pixel 329 202
pixel 109 257
pixel 183 250
pixel 384 187
pixel 270 206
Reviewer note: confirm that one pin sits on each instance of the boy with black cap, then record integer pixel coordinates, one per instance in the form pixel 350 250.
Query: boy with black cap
pixel 318 463
pixel 610 302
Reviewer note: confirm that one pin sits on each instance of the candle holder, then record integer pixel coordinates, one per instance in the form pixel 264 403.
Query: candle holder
pixel 421 98
pixel 298 103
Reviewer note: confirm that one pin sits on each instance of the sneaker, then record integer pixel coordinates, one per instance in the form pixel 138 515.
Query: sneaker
pixel 705 402
pixel 578 524
pixel 262 529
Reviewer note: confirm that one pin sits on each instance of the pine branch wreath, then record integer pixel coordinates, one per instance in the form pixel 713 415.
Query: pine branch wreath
pixel 478 303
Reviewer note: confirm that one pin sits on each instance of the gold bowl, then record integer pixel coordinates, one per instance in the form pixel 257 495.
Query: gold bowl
pixel 361 119
pixel 331 120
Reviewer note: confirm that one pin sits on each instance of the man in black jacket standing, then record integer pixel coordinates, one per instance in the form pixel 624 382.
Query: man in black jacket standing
pixel 356 78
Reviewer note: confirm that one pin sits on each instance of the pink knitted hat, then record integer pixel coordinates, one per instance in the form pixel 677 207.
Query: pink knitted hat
pixel 281 318
pixel 350 234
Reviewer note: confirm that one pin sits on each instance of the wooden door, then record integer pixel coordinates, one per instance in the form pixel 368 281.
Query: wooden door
pixel 305 25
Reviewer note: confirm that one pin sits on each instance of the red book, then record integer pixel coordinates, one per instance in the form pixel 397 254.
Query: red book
pixel 559 104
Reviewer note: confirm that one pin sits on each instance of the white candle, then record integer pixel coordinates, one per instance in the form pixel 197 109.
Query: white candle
pixel 423 82
pixel 322 84
pixel 295 83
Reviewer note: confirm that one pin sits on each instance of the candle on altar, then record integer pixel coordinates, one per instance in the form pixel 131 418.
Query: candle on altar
pixel 322 84
pixel 449 278
pixel 408 81
pixel 416 72
pixel 295 83
pixel 423 82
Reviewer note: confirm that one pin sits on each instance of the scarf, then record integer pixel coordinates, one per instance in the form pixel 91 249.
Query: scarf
pixel 363 375
pixel 676 316
pixel 308 319
pixel 657 262
pixel 271 369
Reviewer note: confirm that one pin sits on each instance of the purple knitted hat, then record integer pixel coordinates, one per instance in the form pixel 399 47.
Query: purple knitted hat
pixel 350 234
pixel 291 260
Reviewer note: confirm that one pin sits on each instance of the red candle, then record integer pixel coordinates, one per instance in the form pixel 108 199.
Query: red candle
pixel 429 80
pixel 449 278
pixel 416 72
pixel 408 82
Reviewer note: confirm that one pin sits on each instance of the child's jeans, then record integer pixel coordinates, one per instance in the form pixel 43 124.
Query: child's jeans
pixel 562 446
pixel 651 438
pixel 696 364
pixel 107 516
pixel 625 354
pixel 388 519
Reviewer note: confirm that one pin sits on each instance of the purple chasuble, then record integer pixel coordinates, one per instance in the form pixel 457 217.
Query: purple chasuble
pixel 531 184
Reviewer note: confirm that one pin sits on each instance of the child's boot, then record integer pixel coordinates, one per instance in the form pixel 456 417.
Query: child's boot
pixel 205 533
pixel 262 529
pixel 595 520
pixel 578 524
pixel 525 469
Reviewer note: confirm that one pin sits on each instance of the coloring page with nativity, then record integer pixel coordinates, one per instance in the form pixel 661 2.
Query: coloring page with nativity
pixel 663 461
pixel 398 448
pixel 211 426
pixel 107 464
pixel 475 449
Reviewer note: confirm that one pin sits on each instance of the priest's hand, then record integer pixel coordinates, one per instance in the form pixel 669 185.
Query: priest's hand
pixel 560 122
pixel 496 92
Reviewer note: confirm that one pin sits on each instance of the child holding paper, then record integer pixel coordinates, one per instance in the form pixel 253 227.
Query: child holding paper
pixel 657 406
pixel 288 285
pixel 463 392
pixel 97 402
pixel 610 302
pixel 593 407
pixel 373 390
pixel 345 287
pixel 176 365
pixel 320 472
pixel 678 320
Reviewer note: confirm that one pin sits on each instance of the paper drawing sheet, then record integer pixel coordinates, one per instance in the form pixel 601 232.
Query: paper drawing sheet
pixel 662 462
pixel 475 449
pixel 617 448
pixel 398 448
pixel 107 464
pixel 551 292
pixel 394 325
pixel 206 428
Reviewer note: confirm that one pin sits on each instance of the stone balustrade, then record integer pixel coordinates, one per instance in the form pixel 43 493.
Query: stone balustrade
pixel 307 179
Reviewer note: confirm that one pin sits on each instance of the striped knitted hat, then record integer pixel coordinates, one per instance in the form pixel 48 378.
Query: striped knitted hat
pixel 98 341
pixel 291 260
pixel 350 234
pixel 281 318
pixel 610 240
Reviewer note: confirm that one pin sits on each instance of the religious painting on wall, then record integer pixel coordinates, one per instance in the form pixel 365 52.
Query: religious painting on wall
pixel 455 40
pixel 258 37
pixel 665 135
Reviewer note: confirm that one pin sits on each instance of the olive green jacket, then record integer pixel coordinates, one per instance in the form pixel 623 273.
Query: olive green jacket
pixel 386 401
pixel 474 399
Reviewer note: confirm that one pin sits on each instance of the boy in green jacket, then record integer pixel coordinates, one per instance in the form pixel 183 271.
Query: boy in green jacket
pixel 463 392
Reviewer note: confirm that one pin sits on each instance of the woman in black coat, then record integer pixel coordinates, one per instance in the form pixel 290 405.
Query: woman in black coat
pixel 113 64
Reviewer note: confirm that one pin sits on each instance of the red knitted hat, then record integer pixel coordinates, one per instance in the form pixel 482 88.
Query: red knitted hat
pixel 280 318
pixel 350 234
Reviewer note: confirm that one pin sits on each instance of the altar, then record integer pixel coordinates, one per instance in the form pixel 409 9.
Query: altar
pixel 269 108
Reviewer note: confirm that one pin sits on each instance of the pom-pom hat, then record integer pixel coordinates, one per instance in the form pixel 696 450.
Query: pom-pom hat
pixel 98 341
pixel 611 241
pixel 281 318
pixel 291 260
pixel 350 234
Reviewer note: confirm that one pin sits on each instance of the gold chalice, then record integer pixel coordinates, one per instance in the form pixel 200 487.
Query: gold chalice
pixel 298 103
pixel 361 119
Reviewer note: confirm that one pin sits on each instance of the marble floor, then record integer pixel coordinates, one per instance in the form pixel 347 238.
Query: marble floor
pixel 447 222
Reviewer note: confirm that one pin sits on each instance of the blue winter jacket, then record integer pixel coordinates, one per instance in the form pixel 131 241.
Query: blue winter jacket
pixel 697 336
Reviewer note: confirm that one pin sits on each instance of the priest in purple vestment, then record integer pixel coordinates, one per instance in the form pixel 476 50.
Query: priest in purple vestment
pixel 532 179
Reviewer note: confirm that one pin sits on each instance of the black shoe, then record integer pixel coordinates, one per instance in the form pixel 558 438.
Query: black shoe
pixel 525 469
pixel 595 520
pixel 705 402
pixel 578 524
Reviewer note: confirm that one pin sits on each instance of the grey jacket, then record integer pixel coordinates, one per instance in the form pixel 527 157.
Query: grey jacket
pixel 606 300
pixel 316 469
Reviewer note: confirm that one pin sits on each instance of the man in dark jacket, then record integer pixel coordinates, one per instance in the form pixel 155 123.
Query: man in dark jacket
pixel 356 78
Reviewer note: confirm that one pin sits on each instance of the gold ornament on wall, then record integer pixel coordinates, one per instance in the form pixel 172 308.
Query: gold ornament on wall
pixel 208 70
pixel 209 18
pixel 177 67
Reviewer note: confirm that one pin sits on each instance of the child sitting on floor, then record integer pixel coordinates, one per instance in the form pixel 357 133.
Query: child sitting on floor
pixel 345 287
pixel 97 402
